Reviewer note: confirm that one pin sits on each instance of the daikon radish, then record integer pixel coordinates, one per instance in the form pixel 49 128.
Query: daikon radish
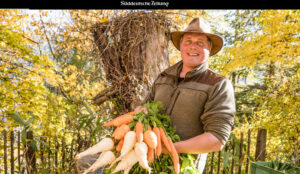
pixel 104 159
pixel 141 150
pixel 129 142
pixel 128 161
pixel 126 171
pixel 105 144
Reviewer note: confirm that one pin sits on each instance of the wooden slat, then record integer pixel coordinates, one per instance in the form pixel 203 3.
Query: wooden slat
pixel 212 162
pixel 30 154
pixel 226 150
pixel 49 154
pixel 12 158
pixel 56 154
pixel 19 149
pixel 233 151
pixel 63 156
pixel 248 151
pixel 5 150
pixel 219 162
pixel 241 154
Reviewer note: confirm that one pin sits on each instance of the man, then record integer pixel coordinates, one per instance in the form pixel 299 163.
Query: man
pixel 199 102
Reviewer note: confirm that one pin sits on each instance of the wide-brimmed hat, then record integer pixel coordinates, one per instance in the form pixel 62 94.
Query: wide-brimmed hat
pixel 199 25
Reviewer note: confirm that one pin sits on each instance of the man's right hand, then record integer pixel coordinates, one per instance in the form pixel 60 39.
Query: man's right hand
pixel 140 109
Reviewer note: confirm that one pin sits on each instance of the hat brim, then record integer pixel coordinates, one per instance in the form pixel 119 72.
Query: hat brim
pixel 217 41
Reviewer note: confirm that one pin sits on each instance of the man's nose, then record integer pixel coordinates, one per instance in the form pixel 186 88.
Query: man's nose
pixel 194 46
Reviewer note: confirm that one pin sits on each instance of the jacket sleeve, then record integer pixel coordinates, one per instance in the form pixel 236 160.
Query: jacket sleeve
pixel 218 115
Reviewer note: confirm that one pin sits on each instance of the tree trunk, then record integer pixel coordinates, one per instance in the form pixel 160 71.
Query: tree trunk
pixel 134 50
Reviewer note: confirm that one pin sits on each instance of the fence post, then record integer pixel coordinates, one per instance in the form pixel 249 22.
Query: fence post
pixel 19 149
pixel 260 153
pixel 55 155
pixel 30 154
pixel 63 156
pixel 248 150
pixel 42 151
pixel 241 153
pixel 227 167
pixel 49 154
pixel 12 161
pixel 212 163
pixel 232 162
pixel 5 150
pixel 219 162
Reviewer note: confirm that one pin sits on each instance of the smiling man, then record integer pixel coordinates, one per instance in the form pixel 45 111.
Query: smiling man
pixel 199 101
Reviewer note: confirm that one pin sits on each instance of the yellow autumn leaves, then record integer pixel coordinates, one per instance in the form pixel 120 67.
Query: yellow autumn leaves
pixel 278 41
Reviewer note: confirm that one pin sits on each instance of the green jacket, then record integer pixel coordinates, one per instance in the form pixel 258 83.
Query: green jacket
pixel 202 102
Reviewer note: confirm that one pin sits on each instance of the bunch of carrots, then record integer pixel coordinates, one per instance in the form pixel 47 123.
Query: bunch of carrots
pixel 138 137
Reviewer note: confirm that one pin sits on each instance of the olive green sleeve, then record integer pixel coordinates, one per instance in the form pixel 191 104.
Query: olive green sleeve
pixel 218 115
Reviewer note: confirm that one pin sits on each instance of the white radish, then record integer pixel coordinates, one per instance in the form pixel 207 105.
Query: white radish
pixel 105 144
pixel 126 171
pixel 128 161
pixel 141 150
pixel 104 159
pixel 129 142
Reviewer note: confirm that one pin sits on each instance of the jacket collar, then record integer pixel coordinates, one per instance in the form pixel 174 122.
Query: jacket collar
pixel 198 70
pixel 176 69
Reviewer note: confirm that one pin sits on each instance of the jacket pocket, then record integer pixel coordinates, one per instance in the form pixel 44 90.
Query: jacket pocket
pixel 186 112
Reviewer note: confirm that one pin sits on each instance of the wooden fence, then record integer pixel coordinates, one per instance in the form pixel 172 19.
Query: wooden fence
pixel 46 155
pixel 56 156
pixel 235 156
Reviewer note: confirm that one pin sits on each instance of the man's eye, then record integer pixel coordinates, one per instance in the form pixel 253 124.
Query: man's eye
pixel 200 43
pixel 187 41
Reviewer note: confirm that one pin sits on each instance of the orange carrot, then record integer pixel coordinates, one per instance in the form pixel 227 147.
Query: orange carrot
pixel 122 119
pixel 150 154
pixel 150 139
pixel 158 147
pixel 175 157
pixel 139 129
pixel 120 131
pixel 164 139
pixel 120 145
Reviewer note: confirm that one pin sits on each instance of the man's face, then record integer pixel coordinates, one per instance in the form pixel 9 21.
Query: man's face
pixel 195 49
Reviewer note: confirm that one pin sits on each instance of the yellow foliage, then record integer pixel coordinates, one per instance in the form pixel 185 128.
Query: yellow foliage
pixel 278 42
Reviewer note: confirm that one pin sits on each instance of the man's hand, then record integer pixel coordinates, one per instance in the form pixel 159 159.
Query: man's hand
pixel 140 109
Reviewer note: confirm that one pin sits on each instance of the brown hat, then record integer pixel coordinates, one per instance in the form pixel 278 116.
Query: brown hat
pixel 199 25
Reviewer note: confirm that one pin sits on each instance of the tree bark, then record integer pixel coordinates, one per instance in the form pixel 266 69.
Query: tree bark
pixel 134 50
